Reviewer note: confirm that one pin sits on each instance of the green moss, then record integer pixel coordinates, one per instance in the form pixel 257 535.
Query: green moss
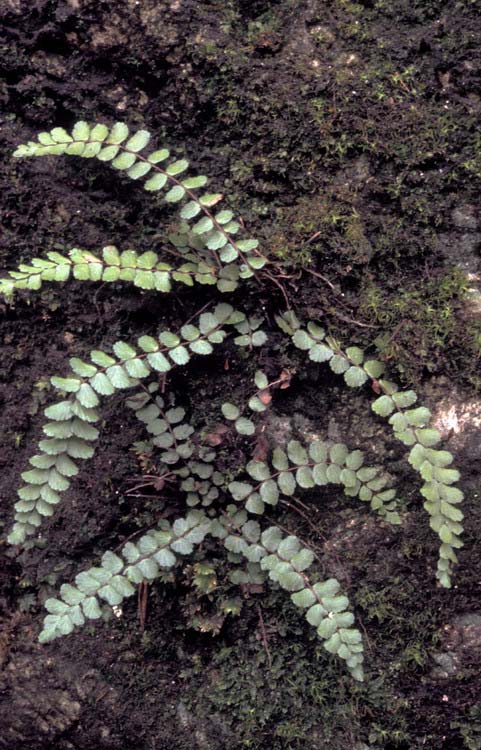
pixel 423 326
pixel 324 225
pixel 277 692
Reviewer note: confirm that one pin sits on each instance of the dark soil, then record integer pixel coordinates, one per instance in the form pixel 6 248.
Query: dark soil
pixel 346 135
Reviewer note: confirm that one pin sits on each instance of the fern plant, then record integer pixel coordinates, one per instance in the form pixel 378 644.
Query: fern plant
pixel 229 509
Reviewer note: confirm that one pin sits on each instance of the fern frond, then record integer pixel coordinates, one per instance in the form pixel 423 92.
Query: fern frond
pixel 316 464
pixel 115 578
pixel 303 467
pixel 216 228
pixel 169 431
pixel 144 270
pixel 206 242
pixel 70 430
pixel 286 561
pixel 283 558
pixel 410 426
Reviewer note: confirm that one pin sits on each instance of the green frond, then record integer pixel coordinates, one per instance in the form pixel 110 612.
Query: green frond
pixel 286 561
pixel 115 579
pixel 69 429
pixel 145 271
pixel 411 427
pixel 315 464
pixel 129 155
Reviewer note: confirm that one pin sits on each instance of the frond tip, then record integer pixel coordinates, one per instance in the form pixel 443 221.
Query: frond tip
pixel 145 270
pixel 411 425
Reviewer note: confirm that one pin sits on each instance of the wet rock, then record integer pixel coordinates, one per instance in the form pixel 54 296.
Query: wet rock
pixel 462 644
pixel 44 699
pixel 356 174
pixel 464 633
pixel 457 416
pixel 16 6
pixel 108 36
pixel 461 250
pixel 35 717
pixel 338 415
pixel 280 429
pixel 207 734
pixel 50 63
pixel 464 251
pixel 361 535
pixel 300 43
pixel 447 666
pixel 322 35
pixel 347 60
pixel 318 740
pixel 153 17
